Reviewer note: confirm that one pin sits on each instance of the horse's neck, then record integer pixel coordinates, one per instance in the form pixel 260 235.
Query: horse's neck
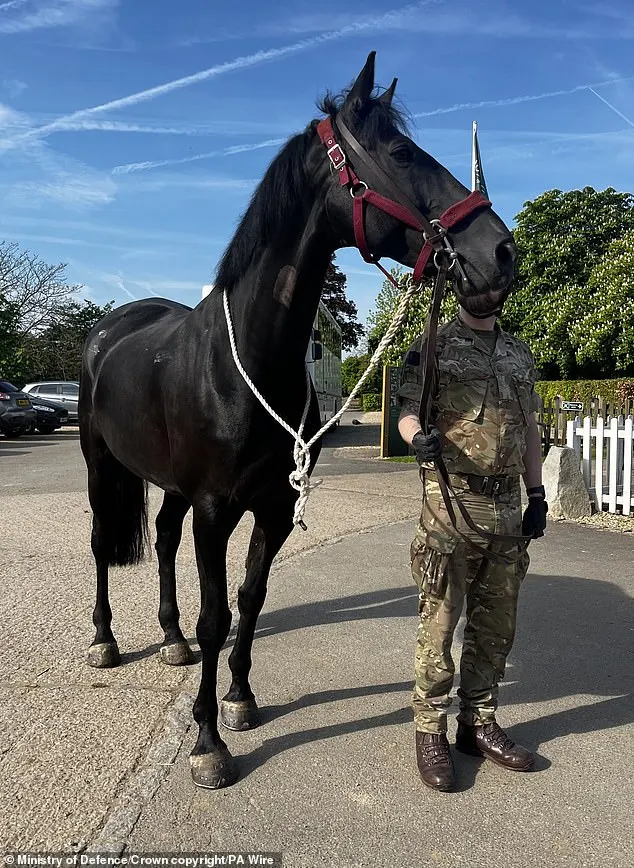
pixel 273 305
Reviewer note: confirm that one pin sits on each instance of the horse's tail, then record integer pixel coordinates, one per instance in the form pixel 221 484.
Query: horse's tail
pixel 120 505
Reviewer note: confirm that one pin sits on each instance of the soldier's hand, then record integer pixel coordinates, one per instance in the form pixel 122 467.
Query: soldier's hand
pixel 534 518
pixel 427 447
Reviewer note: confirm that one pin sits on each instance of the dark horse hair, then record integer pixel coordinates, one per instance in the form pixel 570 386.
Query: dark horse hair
pixel 125 539
pixel 282 194
pixel 377 115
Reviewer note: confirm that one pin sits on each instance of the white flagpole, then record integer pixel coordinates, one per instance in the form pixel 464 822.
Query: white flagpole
pixel 473 156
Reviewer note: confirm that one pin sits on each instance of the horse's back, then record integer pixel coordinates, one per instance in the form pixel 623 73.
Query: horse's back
pixel 120 395
pixel 148 321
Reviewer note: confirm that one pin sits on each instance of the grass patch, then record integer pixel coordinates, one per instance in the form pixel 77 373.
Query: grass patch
pixel 404 459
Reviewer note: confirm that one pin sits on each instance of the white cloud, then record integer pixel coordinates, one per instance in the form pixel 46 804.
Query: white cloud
pixel 13 87
pixel 23 16
pixel 73 192
pixel 35 174
pixel 103 229
pixel 494 20
pixel 189 182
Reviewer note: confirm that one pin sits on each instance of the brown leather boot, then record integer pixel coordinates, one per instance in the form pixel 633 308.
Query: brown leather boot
pixel 434 760
pixel 493 743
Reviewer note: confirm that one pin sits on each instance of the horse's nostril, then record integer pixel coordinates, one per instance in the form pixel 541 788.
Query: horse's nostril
pixel 506 253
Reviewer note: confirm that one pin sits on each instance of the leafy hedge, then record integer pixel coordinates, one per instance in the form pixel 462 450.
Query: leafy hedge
pixel 612 391
pixel 371 401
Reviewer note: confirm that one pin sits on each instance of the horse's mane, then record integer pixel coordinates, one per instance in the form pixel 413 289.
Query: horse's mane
pixel 279 198
pixel 372 120
pixel 283 194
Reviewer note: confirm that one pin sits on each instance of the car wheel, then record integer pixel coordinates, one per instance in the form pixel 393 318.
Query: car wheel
pixel 46 429
pixel 12 435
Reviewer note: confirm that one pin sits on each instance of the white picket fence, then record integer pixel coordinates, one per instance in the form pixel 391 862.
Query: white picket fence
pixel 605 452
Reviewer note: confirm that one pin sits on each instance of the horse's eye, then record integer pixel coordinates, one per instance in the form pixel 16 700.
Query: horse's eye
pixel 403 154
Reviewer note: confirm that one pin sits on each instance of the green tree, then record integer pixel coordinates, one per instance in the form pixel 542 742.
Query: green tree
pixel 341 307
pixel 32 287
pixel 561 239
pixel 385 307
pixel 351 370
pixel 55 352
pixel 31 292
pixel 10 342
pixel 603 330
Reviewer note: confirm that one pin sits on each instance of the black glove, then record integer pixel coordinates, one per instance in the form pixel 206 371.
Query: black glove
pixel 427 447
pixel 534 518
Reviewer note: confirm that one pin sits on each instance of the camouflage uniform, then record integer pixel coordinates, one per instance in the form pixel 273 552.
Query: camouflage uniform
pixel 484 398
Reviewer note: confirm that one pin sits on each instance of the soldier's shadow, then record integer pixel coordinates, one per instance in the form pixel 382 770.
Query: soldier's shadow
pixel 573 639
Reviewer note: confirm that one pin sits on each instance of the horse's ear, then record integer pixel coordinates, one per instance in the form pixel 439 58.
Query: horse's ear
pixel 362 89
pixel 388 95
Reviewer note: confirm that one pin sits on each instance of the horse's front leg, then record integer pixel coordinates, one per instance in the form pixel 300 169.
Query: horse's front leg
pixel 238 709
pixel 214 521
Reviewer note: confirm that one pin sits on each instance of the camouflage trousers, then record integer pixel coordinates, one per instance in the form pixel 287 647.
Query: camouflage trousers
pixel 447 570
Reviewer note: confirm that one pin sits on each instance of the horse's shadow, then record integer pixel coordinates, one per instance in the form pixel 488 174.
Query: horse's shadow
pixel 389 603
pixel 573 639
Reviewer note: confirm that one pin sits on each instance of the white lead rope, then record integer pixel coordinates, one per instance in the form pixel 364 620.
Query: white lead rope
pixel 299 477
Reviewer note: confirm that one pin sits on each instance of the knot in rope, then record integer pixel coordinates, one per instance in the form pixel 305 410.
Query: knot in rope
pixel 301 481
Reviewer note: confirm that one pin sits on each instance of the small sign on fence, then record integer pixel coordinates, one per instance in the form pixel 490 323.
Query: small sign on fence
pixel 573 406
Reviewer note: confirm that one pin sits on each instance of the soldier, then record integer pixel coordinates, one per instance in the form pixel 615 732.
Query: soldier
pixel 483 418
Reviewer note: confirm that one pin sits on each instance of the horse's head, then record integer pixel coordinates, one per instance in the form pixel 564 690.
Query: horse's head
pixel 371 135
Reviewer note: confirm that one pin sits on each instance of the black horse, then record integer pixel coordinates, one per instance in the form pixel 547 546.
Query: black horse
pixel 198 432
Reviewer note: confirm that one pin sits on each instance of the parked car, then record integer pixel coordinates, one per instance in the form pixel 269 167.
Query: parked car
pixel 59 391
pixel 50 416
pixel 16 413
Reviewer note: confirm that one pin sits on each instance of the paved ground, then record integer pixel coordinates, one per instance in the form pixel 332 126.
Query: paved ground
pixel 99 759
pixel 330 778
pixel 51 464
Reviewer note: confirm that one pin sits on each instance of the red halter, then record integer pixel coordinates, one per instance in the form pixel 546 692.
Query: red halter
pixel 434 232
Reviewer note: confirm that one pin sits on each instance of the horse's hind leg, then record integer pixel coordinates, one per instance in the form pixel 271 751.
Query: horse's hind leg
pixel 238 709
pixel 104 651
pixel 175 650
pixel 119 531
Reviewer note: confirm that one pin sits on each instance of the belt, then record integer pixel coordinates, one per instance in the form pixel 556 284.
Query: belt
pixel 490 486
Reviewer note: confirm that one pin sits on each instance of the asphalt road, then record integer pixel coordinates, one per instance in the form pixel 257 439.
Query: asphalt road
pixel 52 464
pixel 98 760
pixel 330 778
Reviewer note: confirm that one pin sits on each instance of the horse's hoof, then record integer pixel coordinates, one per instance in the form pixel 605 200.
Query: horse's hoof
pixel 243 714
pixel 214 770
pixel 177 654
pixel 103 655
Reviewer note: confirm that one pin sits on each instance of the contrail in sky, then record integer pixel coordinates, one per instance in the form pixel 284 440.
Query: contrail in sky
pixel 127 168
pixel 515 100
pixel 249 60
pixel 609 105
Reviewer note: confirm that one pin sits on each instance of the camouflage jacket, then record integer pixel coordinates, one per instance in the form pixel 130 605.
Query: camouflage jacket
pixel 482 402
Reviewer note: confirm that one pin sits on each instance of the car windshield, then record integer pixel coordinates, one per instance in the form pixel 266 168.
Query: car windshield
pixel 5 386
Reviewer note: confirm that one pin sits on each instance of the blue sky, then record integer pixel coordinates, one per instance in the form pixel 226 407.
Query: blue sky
pixel 132 132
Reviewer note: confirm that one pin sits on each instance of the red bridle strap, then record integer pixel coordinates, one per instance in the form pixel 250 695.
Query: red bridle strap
pixel 361 193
